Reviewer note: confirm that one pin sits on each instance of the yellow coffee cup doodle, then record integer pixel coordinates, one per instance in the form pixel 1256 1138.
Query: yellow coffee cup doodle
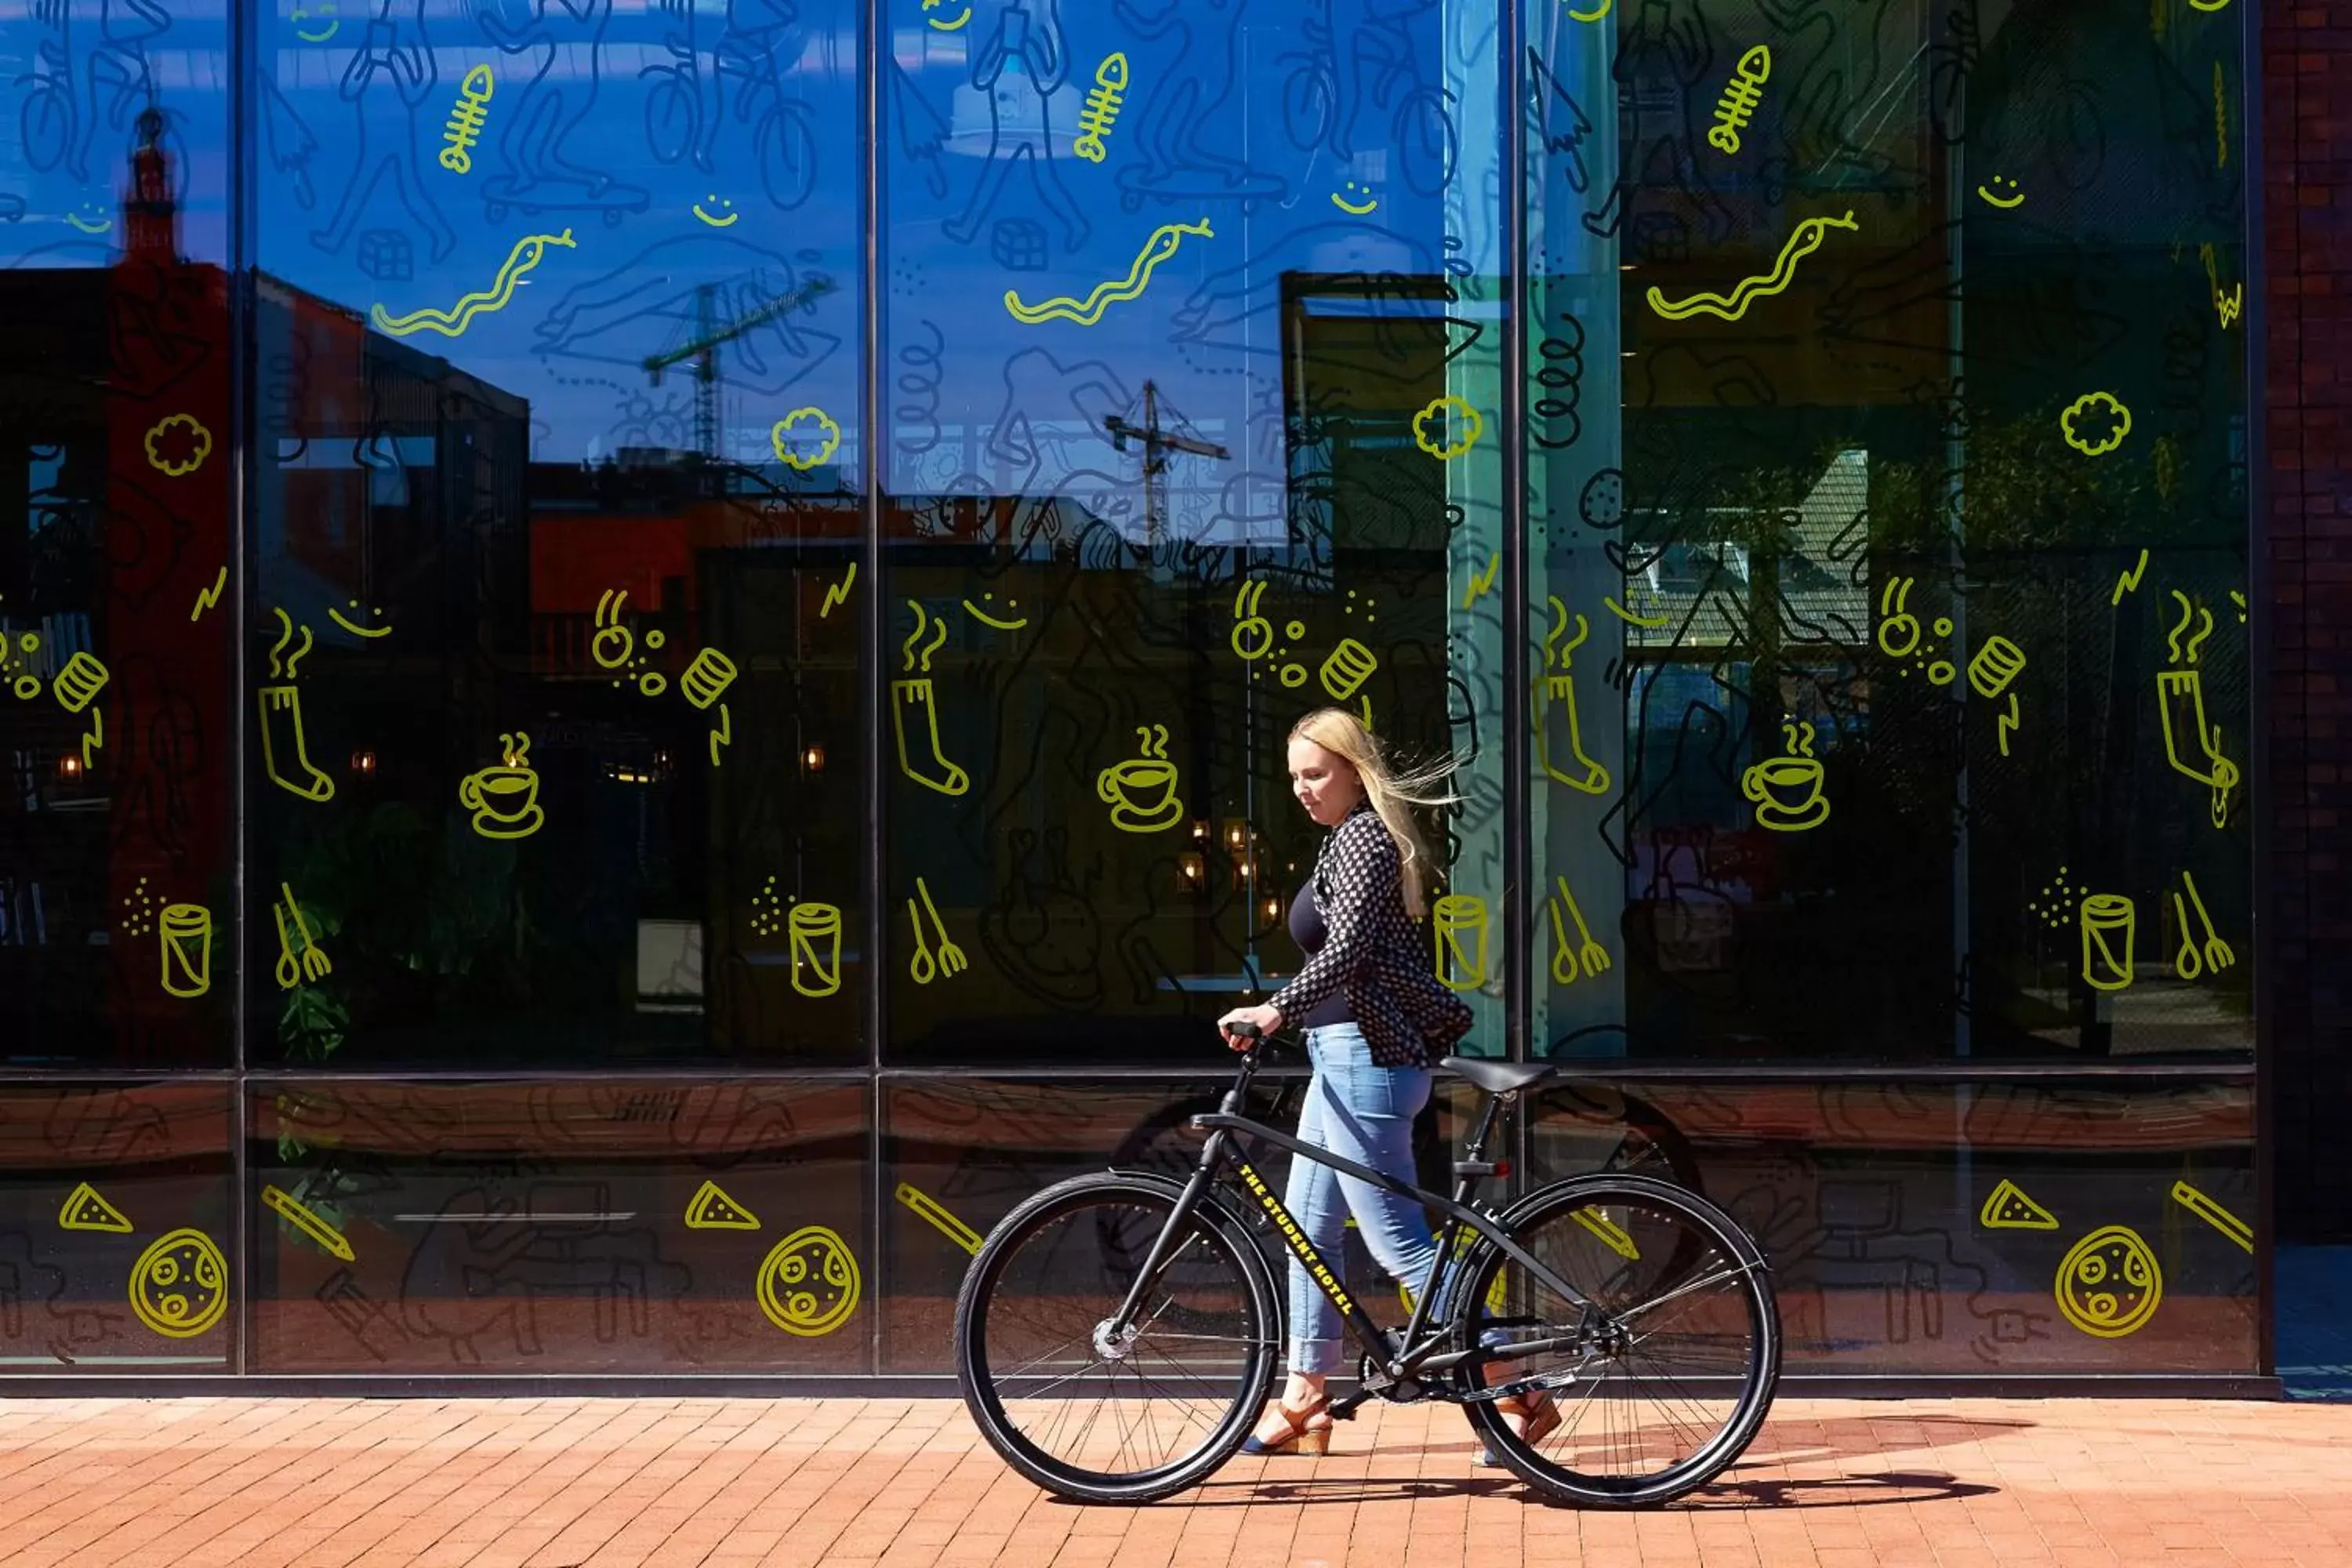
pixel 504 799
pixel 1141 791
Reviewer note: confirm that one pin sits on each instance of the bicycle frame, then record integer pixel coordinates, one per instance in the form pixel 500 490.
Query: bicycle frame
pixel 1415 1350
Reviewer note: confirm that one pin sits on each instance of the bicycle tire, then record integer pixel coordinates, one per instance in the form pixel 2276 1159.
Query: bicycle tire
pixel 1226 1280
pixel 784 145
pixel 1596 1232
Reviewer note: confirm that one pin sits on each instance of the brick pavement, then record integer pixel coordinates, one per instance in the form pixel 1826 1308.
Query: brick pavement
pixel 603 1483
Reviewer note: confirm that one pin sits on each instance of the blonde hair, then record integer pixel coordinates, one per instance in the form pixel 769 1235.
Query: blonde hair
pixel 1391 792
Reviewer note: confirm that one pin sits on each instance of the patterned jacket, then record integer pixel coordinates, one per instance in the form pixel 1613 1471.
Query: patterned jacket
pixel 1372 952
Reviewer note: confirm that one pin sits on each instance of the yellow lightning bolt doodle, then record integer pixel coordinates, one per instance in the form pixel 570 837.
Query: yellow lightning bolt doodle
pixel 454 320
pixel 839 592
pixel 207 597
pixel 723 736
pixel 2129 581
pixel 1483 582
pixel 1086 312
pixel 2008 723
pixel 1803 241
pixel 95 740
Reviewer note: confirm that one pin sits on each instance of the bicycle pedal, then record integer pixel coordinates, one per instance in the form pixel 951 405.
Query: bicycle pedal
pixel 1345 1409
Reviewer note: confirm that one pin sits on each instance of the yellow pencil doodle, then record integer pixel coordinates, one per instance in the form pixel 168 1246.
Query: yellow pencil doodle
pixel 2087 412
pixel 1788 789
pixel 2214 1214
pixel 915 694
pixel 1446 427
pixel 371 633
pixel 1482 583
pixel 839 594
pixel 936 25
pixel 2108 1283
pixel 2110 924
pixel 504 797
pixel 1647 623
pixel 711 1209
pixel 294 1212
pixel 2128 582
pixel 1740 95
pixel 725 204
pixel 2193 959
pixel 1371 203
pixel 207 597
pixel 1087 312
pixel 784 438
pixel 453 321
pixel 815 932
pixel 937 1215
pixel 466 117
pixel 2007 1208
pixel 984 618
pixel 187 949
pixel 178 444
pixel 86 1209
pixel 927 966
pixel 2180 705
pixel 1587 956
pixel 1142 790
pixel 1459 922
pixel 1803 240
pixel 809 1282
pixel 1102 108
pixel 2015 198
pixel 179 1287
pixel 1558 685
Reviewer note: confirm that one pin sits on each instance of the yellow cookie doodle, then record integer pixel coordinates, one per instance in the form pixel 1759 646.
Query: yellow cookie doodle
pixel 179 1287
pixel 809 1283
pixel 2109 1284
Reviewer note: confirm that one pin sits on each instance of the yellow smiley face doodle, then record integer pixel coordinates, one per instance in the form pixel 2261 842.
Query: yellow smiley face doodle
pixel 808 1282
pixel 2108 1285
pixel 179 1287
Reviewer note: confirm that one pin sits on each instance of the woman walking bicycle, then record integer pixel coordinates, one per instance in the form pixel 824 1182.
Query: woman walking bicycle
pixel 1375 1017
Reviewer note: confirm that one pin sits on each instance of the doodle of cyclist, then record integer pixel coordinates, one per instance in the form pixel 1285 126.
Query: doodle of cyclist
pixel 554 102
pixel 398 48
pixel 1022 63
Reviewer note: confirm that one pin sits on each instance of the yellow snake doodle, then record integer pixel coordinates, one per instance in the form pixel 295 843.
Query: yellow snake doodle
pixel 454 320
pixel 1802 242
pixel 1086 312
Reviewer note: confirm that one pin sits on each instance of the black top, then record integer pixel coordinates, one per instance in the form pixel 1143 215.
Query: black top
pixel 1371 956
pixel 1306 930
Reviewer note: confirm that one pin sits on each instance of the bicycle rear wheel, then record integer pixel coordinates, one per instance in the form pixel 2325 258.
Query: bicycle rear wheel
pixel 1662 1383
pixel 1098 1419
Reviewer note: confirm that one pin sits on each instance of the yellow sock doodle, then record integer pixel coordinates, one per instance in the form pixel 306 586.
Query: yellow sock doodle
pixel 1087 312
pixel 939 1219
pixel 1561 688
pixel 1102 110
pixel 465 127
pixel 2180 705
pixel 1803 241
pixel 1740 95
pixel 453 321
pixel 914 695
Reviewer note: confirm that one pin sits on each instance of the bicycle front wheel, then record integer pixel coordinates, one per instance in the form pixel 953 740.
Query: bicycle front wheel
pixel 1099 1416
pixel 1658 1385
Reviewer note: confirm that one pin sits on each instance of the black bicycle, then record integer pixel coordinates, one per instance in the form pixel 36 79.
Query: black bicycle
pixel 1118 1334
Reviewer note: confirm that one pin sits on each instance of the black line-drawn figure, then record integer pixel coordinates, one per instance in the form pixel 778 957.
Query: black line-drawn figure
pixel 784 129
pixel 553 104
pixel 1042 930
pixel 116 79
pixel 1020 68
pixel 1323 95
pixel 397 47
pixel 1185 105
pixel 290 143
pixel 922 130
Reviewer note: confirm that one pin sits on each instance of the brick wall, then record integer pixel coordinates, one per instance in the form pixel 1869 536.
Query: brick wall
pixel 2307 84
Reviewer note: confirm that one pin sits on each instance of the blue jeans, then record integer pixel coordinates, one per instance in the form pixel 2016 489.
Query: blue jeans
pixel 1363 1113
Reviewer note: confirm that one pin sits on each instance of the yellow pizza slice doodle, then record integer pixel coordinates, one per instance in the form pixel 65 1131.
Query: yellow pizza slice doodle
pixel 2008 1208
pixel 1611 1233
pixel 294 1212
pixel 711 1209
pixel 85 1210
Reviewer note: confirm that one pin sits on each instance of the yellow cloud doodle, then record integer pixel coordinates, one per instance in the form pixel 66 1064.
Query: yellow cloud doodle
pixel 2086 409
pixel 178 444
pixel 1446 427
pixel 781 436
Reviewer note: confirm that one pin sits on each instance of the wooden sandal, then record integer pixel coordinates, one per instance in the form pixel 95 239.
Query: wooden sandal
pixel 1298 1436
pixel 1536 1422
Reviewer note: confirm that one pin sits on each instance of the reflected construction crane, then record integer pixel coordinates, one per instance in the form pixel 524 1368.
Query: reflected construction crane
pixel 1158 443
pixel 710 334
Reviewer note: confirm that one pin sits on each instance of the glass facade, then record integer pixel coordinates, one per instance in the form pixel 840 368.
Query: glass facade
pixel 648 646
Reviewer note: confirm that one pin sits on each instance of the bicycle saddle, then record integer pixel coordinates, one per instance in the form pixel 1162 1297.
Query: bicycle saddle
pixel 1500 1077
